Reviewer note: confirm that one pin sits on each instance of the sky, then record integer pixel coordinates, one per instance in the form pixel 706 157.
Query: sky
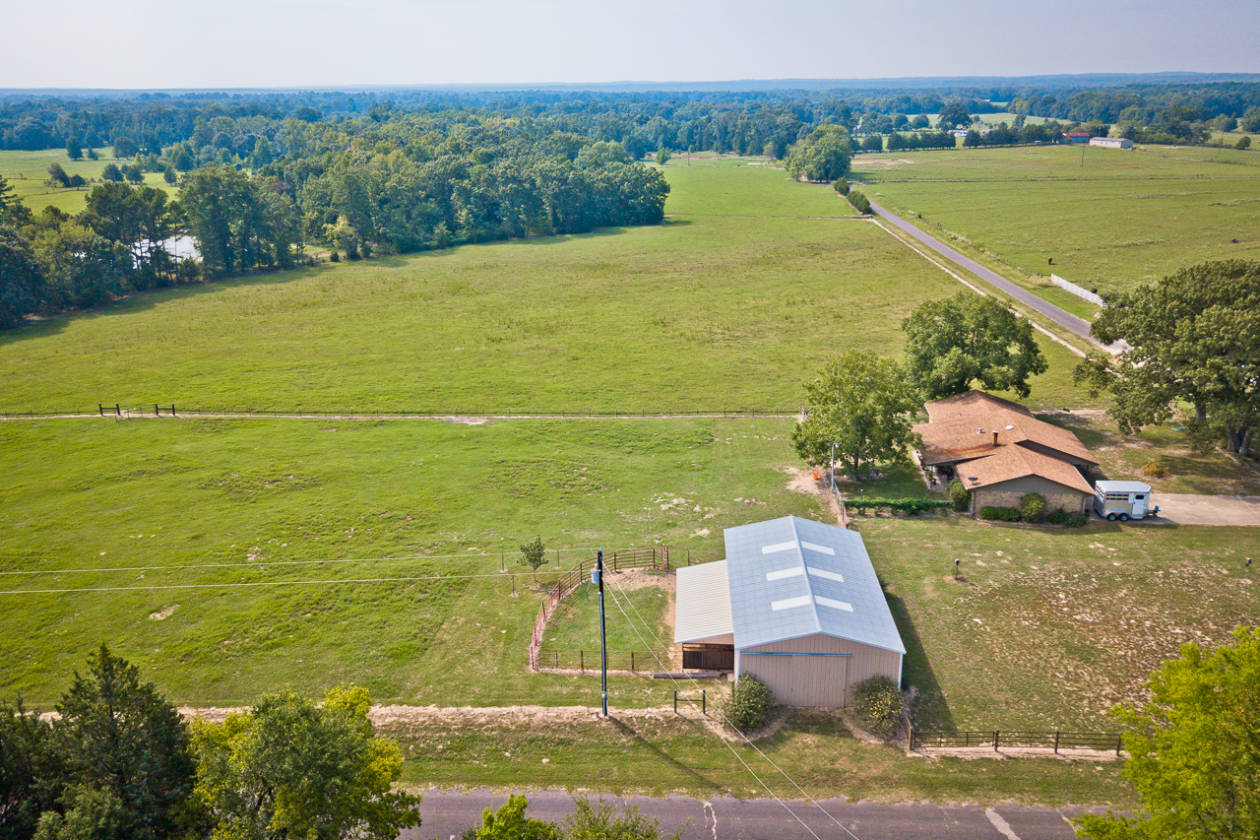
pixel 307 43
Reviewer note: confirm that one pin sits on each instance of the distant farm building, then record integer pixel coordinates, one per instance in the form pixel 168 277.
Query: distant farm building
pixel 796 604
pixel 1000 452
pixel 1111 142
pixel 1076 137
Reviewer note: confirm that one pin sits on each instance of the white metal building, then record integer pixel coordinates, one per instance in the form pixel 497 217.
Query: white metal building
pixel 797 604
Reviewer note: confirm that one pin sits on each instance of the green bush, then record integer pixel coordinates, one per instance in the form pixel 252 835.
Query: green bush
pixel 749 705
pixel 1070 520
pixel 860 202
pixel 911 506
pixel 841 185
pixel 959 496
pixel 1243 143
pixel 1003 514
pixel 1032 507
pixel 877 702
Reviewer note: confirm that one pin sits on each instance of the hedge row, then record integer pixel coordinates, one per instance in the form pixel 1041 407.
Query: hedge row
pixel 1057 517
pixel 862 504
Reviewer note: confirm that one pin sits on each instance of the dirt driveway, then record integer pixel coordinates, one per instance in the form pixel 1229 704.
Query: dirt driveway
pixel 1195 509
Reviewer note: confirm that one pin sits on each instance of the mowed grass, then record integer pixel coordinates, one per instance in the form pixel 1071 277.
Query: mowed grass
pixel 728 305
pixel 1048 627
pixel 266 502
pixel 682 755
pixel 1121 219
pixel 575 624
pixel 27 173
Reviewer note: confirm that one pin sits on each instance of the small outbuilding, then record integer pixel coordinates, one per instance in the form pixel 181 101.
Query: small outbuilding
pixel 796 604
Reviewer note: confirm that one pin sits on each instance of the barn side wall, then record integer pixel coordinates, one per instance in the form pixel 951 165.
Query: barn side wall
pixel 817 680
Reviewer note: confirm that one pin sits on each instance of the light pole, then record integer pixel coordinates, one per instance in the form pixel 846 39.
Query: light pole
pixel 603 645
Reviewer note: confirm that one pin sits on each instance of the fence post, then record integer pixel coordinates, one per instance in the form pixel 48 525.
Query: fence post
pixel 117 410
pixel 1119 744
pixel 1056 742
pixel 101 409
pixel 996 736
pixel 675 701
pixel 172 409
pixel 581 660
pixel 967 738
pixel 156 413
pixel 632 661
pixel 703 706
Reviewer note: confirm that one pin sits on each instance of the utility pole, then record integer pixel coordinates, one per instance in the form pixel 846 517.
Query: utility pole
pixel 603 641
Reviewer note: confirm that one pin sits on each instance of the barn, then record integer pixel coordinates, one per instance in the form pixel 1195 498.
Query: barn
pixel 796 604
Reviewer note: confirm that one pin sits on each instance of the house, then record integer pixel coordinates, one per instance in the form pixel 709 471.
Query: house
pixel 1111 142
pixel 1001 452
pixel 1076 137
pixel 796 604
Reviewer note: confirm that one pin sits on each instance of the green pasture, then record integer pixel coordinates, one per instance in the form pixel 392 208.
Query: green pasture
pixel 1111 219
pixel 750 284
pixel 575 625
pixel 1047 627
pixel 264 502
pixel 682 755
pixel 27 173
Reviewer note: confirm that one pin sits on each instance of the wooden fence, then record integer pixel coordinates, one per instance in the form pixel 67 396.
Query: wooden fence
pixel 1056 739
pixel 583 660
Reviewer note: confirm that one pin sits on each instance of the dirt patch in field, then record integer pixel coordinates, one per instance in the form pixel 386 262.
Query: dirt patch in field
pixel 164 613
pixel 465 421
pixel 884 162
pixel 1063 754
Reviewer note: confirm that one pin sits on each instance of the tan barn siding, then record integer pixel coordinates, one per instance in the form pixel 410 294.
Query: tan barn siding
pixel 1008 494
pixel 817 680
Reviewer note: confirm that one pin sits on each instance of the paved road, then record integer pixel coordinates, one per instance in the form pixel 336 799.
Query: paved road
pixel 447 814
pixel 1062 317
pixel 1194 509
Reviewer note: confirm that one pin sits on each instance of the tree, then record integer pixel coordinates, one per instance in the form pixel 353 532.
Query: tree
pixel 168 175
pixel 120 736
pixel 30 771
pixel 111 172
pixel 860 202
pixel 510 823
pixel 860 404
pixel 125 147
pixel 533 554
pixel 294 768
pixel 1194 754
pixel 662 155
pixel 968 338
pixel 953 114
pixel 21 282
pixel 74 149
pixel 823 155
pixel 598 822
pixel 1192 337
pixel 57 176
pixel 841 186
pixel 133 173
pixel 1244 142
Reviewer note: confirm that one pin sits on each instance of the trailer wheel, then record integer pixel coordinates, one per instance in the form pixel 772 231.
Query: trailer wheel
pixel 1111 517
pixel 1124 517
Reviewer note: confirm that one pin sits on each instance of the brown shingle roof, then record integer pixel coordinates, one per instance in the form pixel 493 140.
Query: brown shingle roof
pixel 961 428
pixel 1011 462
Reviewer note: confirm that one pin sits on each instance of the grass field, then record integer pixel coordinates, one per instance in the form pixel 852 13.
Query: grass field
pixel 1048 627
pixel 575 624
pixel 248 497
pixel 681 755
pixel 753 281
pixel 1119 219
pixel 27 173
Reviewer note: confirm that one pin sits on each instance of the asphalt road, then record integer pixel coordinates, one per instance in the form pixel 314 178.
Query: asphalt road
pixel 447 814
pixel 1062 317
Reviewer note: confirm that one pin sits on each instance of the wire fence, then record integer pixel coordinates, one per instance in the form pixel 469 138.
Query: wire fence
pixel 1057 739
pixel 172 409
pixel 541 656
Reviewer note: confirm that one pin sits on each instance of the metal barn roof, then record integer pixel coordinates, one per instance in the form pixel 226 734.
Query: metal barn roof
pixel 792 577
pixel 704 611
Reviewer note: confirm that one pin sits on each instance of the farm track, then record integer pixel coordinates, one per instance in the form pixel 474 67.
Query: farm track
pixel 445 417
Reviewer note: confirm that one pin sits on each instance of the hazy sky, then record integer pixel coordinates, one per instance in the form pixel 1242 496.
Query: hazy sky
pixel 256 43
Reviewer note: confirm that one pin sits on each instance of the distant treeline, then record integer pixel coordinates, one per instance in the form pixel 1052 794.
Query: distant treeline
pixel 747 122
pixel 387 183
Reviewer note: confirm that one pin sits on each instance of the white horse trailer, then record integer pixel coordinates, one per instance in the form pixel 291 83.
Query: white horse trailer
pixel 1123 500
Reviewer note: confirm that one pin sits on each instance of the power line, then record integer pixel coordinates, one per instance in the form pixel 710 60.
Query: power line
pixel 747 740
pixel 734 752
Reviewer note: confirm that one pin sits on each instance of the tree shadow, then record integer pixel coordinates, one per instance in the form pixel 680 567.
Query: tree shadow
pixel 931 709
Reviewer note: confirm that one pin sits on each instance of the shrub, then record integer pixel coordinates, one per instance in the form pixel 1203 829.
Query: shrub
pixel 841 185
pixel 1069 520
pixel 750 704
pixel 959 496
pixel 1243 143
pixel 911 507
pixel 1003 514
pixel 878 704
pixel 533 554
pixel 860 202
pixel 1154 469
pixel 1032 507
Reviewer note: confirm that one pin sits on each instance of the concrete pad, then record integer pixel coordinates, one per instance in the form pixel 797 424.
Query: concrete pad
pixel 1195 509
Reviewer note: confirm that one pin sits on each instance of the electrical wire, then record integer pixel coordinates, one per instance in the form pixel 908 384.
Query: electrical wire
pixel 747 740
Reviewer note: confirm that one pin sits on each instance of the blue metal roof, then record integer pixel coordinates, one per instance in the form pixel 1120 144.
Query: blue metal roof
pixel 793 577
